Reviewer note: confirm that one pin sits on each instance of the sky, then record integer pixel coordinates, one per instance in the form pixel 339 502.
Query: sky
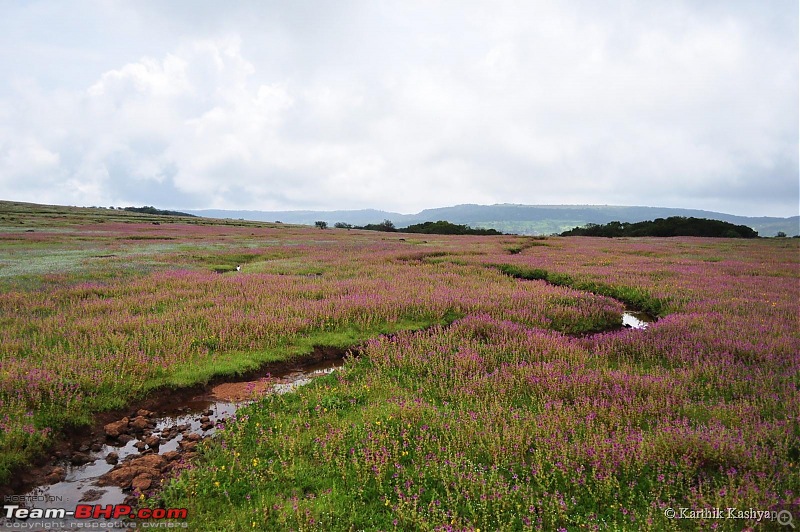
pixel 401 105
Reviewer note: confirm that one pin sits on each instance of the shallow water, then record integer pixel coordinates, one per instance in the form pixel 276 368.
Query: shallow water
pixel 218 403
pixel 636 320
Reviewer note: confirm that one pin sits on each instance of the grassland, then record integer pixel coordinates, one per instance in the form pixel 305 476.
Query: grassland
pixel 522 407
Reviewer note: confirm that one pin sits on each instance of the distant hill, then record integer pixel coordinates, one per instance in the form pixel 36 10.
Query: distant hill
pixel 152 210
pixel 510 218
pixel 356 217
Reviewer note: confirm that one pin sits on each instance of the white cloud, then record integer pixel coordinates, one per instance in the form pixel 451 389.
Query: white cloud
pixel 148 77
pixel 407 106
pixel 26 158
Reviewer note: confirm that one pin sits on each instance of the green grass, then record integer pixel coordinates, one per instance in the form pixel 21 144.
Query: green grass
pixel 495 420
pixel 290 488
pixel 19 447
pixel 237 363
pixel 301 461
pixel 635 297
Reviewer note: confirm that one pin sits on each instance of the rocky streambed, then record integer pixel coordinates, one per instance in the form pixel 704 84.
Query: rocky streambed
pixel 131 453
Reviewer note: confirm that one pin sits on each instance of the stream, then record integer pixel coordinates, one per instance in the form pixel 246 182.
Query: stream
pixel 95 472
pixel 636 320
pixel 177 429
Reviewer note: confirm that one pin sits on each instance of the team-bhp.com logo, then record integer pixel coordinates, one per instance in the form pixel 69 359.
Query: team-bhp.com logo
pixel 94 511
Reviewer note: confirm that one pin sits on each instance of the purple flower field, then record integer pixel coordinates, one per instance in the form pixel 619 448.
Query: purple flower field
pixel 522 405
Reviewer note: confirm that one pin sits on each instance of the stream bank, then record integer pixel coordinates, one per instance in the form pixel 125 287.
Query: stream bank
pixel 127 453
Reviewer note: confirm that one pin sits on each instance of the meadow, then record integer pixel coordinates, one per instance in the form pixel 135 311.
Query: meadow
pixel 493 388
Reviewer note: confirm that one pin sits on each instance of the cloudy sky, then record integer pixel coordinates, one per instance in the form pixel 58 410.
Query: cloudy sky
pixel 400 105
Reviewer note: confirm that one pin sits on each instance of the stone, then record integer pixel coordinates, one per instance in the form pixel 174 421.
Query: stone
pixel 141 483
pixel 171 455
pixel 139 423
pixel 57 474
pixel 112 458
pixel 80 459
pixel 149 466
pixel 117 428
pixel 187 445
pixel 91 495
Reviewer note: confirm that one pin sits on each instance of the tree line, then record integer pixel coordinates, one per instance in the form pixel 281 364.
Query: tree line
pixel 441 227
pixel 147 209
pixel 664 227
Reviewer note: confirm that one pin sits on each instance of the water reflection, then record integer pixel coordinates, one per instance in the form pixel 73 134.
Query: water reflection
pixel 636 320
pixel 199 415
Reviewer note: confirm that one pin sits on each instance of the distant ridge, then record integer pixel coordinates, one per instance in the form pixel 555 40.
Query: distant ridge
pixel 355 217
pixel 512 218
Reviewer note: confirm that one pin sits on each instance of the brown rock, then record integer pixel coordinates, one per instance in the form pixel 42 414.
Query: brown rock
pixel 152 441
pixel 171 455
pixel 187 445
pixel 139 423
pixel 120 477
pixel 193 437
pixel 144 413
pixel 115 429
pixel 153 461
pixel 149 466
pixel 112 458
pixel 92 495
pixel 57 474
pixel 124 438
pixel 140 445
pixel 141 482
pixel 80 458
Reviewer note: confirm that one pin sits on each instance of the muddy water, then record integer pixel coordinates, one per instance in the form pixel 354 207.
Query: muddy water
pixel 200 415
